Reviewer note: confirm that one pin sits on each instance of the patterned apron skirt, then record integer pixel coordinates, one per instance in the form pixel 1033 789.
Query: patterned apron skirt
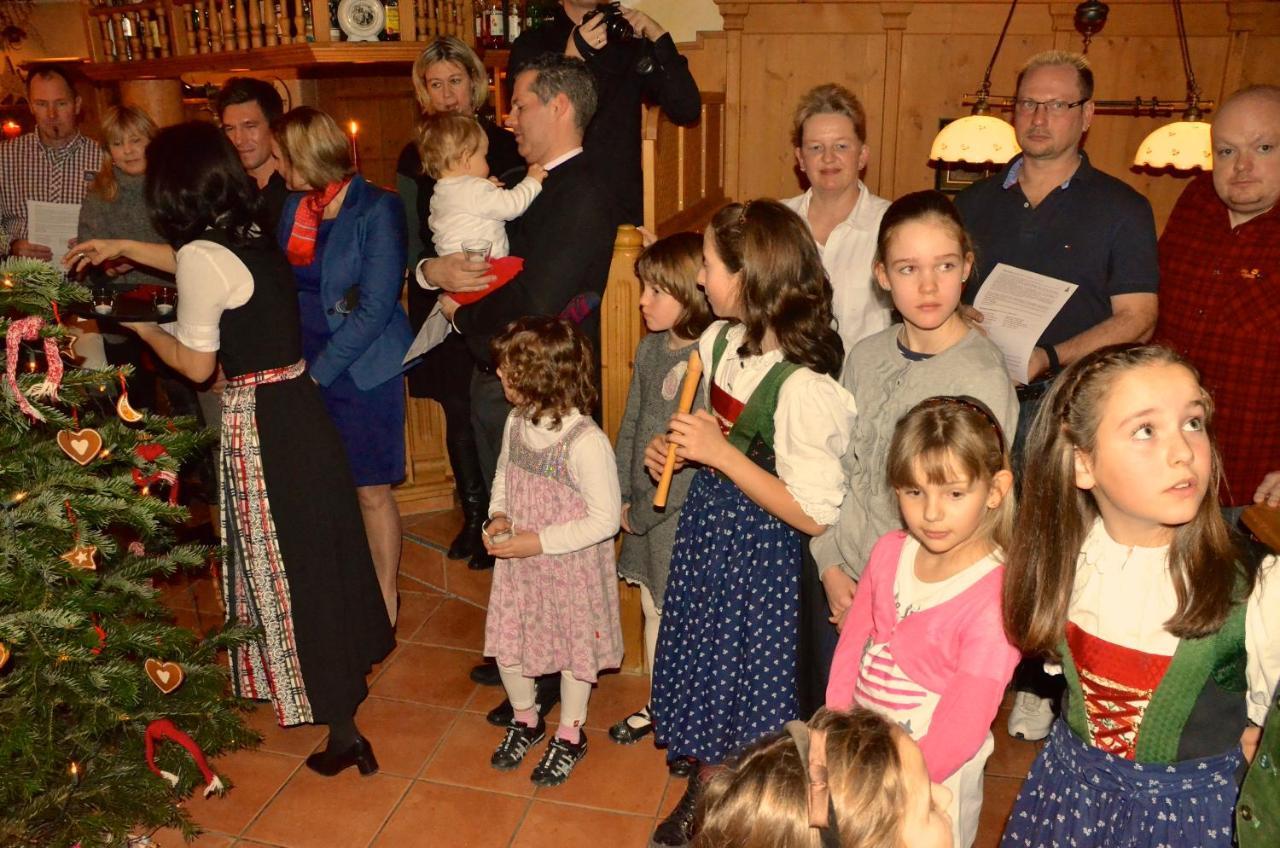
pixel 253 576
pixel 1079 795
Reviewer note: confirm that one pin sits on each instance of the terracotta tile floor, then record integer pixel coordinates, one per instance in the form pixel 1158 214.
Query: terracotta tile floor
pixel 425 719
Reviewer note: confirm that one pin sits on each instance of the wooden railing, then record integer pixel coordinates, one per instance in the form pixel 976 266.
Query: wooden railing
pixel 683 168
pixel 162 29
pixel 683 188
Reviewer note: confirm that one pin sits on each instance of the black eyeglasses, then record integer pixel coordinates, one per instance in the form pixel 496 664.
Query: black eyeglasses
pixel 1027 106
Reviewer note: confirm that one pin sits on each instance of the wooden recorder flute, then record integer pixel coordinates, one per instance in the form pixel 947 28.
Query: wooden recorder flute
pixel 687 390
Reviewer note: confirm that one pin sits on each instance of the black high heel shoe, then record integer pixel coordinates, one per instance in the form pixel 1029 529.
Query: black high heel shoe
pixel 360 755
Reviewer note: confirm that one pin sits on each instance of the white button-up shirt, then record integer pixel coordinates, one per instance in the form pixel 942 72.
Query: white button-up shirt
pixel 860 306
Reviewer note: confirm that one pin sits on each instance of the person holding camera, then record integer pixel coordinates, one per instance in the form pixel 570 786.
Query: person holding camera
pixel 633 60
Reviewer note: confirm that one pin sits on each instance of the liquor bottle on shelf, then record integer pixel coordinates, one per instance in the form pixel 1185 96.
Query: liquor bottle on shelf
pixel 335 31
pixel 391 30
pixel 514 16
pixel 308 22
pixel 490 24
pixel 126 36
pixel 535 13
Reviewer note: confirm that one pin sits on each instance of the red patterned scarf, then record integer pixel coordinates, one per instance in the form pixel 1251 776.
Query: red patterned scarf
pixel 301 249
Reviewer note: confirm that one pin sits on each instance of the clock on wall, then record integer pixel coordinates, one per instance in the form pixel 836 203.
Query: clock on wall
pixel 362 20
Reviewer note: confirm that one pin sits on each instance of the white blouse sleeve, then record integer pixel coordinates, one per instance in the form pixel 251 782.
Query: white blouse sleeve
pixel 592 463
pixel 812 425
pixel 211 279
pixel 498 485
pixel 1262 639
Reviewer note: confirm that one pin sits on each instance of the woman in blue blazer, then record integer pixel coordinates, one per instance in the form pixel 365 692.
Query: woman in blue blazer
pixel 346 241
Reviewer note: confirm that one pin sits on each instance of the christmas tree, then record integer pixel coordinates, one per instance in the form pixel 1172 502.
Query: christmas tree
pixel 95 678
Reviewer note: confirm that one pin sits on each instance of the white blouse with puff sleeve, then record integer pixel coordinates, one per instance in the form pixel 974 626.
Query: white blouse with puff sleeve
pixel 812 422
pixel 211 279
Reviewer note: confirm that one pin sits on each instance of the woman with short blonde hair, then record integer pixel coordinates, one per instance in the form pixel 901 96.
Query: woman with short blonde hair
pixel 449 78
pixel 448 49
pixel 120 126
pixel 115 207
pixel 313 147
pixel 345 239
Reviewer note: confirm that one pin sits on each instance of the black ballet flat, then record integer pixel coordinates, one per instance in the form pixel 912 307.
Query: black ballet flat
pixel 360 755
pixel 625 733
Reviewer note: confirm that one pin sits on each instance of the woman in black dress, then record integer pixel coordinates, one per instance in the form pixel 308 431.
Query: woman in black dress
pixel 449 77
pixel 298 564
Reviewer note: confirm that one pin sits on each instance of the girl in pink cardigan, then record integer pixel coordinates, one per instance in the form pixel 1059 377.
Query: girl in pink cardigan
pixel 924 642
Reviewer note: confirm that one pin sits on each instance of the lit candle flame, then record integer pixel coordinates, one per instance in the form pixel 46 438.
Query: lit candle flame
pixel 355 128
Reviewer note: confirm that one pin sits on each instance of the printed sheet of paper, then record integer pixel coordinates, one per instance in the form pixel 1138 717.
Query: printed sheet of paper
pixel 1017 305
pixel 434 330
pixel 53 224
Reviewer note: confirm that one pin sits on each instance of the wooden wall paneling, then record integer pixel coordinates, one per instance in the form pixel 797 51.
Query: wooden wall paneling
pixel 895 17
pixel 383 107
pixel 945 46
pixel 714 148
pixel 692 165
pixel 1147 66
pixel 945 51
pixel 706 58
pixel 666 172
pixel 1255 44
pixel 734 16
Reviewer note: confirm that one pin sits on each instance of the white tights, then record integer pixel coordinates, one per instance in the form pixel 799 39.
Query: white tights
pixel 574 694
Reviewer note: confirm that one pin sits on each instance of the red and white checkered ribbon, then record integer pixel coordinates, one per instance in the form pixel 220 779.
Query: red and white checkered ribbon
pixel 24 330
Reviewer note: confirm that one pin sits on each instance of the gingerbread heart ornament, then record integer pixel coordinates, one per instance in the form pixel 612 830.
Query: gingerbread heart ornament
pixel 80 445
pixel 167 676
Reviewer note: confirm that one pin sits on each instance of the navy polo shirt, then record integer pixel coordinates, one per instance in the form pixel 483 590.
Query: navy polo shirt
pixel 1093 230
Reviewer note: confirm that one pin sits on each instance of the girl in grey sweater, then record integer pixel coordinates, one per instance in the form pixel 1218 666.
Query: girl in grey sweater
pixel 923 258
pixel 675 312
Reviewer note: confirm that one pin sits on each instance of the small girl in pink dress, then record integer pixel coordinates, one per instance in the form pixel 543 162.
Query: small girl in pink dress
pixel 553 513
pixel 924 641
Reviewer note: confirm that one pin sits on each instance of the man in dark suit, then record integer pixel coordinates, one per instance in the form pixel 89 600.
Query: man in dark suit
pixel 566 240
pixel 628 72
pixel 566 236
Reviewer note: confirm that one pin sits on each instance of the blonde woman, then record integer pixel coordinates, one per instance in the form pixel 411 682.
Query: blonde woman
pixel 345 239
pixel 114 207
pixel 449 78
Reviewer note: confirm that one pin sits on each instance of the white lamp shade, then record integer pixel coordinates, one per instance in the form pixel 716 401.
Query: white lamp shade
pixel 1183 145
pixel 976 139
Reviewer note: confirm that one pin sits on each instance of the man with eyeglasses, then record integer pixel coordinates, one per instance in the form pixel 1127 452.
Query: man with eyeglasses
pixel 1050 211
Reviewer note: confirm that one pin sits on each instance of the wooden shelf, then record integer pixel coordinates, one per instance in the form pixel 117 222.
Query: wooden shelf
pixel 108 11
pixel 310 55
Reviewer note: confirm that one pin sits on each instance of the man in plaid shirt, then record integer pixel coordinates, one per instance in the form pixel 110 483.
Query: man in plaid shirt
pixel 1220 289
pixel 54 164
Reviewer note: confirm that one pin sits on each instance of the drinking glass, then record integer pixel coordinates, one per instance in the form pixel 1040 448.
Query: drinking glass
pixel 477 250
pixel 164 300
pixel 104 300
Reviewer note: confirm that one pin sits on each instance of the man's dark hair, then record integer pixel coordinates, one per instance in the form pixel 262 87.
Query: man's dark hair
pixel 249 90
pixel 560 74
pixel 63 72
pixel 195 182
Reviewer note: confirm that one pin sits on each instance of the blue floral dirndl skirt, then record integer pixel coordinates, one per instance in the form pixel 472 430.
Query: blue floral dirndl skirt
pixel 725 673
pixel 1077 795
